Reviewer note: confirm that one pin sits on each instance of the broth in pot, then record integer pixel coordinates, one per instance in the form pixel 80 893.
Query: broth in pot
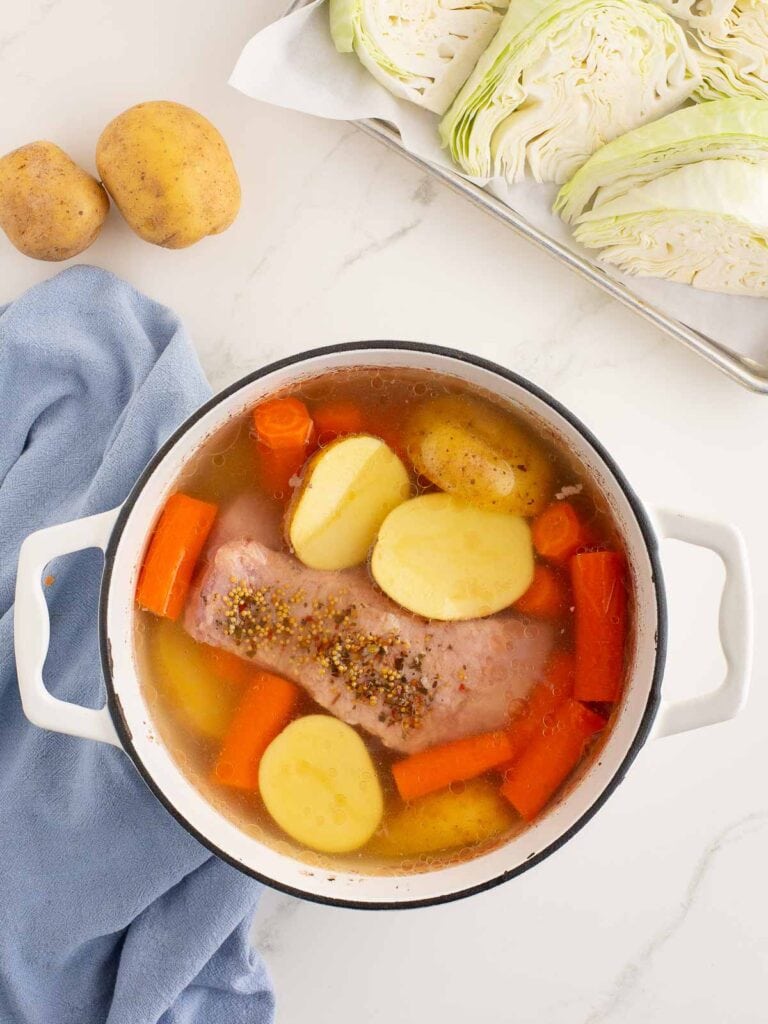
pixel 383 621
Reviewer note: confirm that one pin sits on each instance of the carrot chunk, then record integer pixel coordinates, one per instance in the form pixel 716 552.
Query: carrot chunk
pixel 266 708
pixel 537 716
pixel 549 759
pixel 335 419
pixel 283 423
pixel 547 596
pixel 278 467
pixel 227 666
pixel 173 551
pixel 559 532
pixel 284 431
pixel 600 599
pixel 457 761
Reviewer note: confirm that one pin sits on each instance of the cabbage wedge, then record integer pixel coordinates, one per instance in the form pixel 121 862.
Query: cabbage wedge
pixel 684 199
pixel 420 50
pixel 732 37
pixel 560 79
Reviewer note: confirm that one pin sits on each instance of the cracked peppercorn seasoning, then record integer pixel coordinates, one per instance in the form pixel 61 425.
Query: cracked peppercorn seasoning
pixel 378 669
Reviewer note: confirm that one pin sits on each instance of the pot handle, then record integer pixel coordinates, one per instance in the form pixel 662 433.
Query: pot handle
pixel 32 628
pixel 736 625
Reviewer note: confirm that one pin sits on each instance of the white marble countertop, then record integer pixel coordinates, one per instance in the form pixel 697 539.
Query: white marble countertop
pixel 658 910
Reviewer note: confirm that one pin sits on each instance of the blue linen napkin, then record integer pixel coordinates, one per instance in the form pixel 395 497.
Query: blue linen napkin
pixel 109 911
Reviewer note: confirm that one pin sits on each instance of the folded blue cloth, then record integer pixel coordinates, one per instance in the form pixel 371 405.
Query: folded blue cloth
pixel 109 910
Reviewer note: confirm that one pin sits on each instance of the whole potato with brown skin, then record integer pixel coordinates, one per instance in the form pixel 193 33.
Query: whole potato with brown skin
pixel 169 172
pixel 50 208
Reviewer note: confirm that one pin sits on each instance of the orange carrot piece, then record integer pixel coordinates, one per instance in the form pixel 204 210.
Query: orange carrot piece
pixel 458 761
pixel 547 596
pixel 335 419
pixel 284 431
pixel 537 717
pixel 600 599
pixel 559 532
pixel 227 666
pixel 283 423
pixel 277 467
pixel 549 759
pixel 173 551
pixel 265 710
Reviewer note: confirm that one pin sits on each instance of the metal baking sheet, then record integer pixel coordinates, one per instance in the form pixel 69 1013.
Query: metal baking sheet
pixel 743 370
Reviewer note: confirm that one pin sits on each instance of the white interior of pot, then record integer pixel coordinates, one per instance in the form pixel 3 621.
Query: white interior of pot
pixel 223 833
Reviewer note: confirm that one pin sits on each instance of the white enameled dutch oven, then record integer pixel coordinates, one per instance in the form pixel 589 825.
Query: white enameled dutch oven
pixel 125 721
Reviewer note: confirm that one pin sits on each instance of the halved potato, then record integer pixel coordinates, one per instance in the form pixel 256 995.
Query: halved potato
pixel 445 559
pixel 447 820
pixel 319 783
pixel 348 490
pixel 204 700
pixel 473 450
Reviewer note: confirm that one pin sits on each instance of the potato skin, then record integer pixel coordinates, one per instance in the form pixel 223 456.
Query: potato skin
pixel 445 820
pixel 50 208
pixel 474 450
pixel 169 172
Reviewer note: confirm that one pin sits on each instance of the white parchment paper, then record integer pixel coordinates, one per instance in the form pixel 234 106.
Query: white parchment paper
pixel 293 63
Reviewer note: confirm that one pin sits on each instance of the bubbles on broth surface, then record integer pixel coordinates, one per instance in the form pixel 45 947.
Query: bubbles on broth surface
pixel 225 468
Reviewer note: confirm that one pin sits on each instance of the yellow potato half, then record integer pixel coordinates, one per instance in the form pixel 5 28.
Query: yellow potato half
pixel 445 559
pixel 448 820
pixel 476 451
pixel 348 490
pixel 50 208
pixel 204 702
pixel 169 172
pixel 319 783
